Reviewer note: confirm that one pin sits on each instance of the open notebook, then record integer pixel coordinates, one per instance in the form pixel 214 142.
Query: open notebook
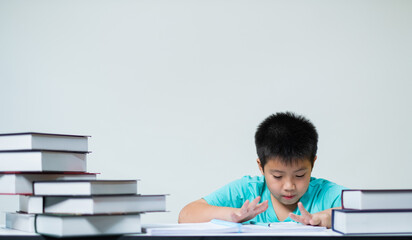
pixel 220 227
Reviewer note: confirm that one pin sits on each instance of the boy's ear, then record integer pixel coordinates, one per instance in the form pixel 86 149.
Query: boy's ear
pixel 260 165
pixel 314 160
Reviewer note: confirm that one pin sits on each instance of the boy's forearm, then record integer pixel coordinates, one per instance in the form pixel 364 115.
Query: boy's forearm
pixel 200 211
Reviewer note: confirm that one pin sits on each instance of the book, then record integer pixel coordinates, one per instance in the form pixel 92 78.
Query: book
pixel 85 187
pixel 281 227
pixel 104 204
pixel 213 227
pixel 32 161
pixel 43 141
pixel 377 199
pixel 217 226
pixel 22 183
pixel 30 204
pixel 372 221
pixel 78 225
pixel 20 221
pixel 74 225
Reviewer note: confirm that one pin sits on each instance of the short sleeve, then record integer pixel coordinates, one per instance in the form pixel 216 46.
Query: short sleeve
pixel 233 194
pixel 331 194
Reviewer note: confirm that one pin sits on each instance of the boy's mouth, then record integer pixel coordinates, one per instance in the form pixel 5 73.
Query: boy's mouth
pixel 288 197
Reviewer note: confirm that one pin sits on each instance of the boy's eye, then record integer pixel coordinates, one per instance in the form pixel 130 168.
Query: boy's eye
pixel 277 177
pixel 300 175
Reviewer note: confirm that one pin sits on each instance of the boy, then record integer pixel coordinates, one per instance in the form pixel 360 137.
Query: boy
pixel 286 145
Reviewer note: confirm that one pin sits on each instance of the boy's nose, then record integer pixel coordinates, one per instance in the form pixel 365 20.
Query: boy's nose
pixel 289 186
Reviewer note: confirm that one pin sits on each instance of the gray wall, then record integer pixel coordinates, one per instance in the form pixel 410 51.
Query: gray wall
pixel 171 91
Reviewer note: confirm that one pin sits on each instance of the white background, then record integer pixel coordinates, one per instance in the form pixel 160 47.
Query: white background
pixel 172 91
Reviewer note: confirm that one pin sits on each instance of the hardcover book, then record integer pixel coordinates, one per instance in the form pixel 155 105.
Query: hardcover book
pixel 377 199
pixel 78 225
pixel 85 187
pixel 372 221
pixel 43 141
pixel 20 221
pixel 104 204
pixel 32 161
pixel 30 204
pixel 22 183
pixel 74 225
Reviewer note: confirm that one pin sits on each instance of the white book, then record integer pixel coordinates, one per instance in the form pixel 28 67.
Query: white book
pixel 43 141
pixel 32 161
pixel 30 204
pixel 85 187
pixel 217 226
pixel 363 199
pixel 372 221
pixel 22 183
pixel 104 204
pixel 74 225
pixel 20 221
pixel 180 229
pixel 93 225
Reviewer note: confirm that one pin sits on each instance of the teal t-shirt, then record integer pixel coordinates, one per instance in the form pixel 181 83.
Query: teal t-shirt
pixel 321 195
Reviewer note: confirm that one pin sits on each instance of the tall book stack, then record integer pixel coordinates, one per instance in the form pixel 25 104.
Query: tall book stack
pixel 58 197
pixel 385 211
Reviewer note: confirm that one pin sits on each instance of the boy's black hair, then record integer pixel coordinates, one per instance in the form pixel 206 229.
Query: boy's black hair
pixel 288 137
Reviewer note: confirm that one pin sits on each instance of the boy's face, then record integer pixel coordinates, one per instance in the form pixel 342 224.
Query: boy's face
pixel 287 183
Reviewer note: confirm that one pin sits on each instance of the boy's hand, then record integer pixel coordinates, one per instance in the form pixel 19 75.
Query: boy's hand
pixel 249 210
pixel 322 218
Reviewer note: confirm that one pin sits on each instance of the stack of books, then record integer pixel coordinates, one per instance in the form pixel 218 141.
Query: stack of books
pixel 28 157
pixel 58 197
pixel 386 211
